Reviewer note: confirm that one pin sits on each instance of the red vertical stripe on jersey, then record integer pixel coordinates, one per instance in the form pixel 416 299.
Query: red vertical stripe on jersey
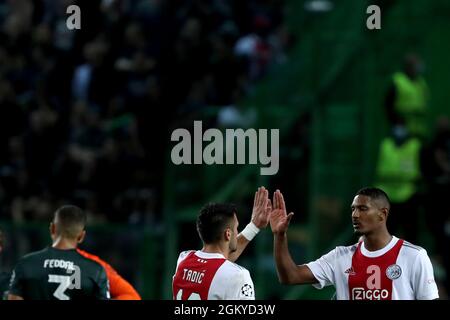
pixel 367 279
pixel 194 276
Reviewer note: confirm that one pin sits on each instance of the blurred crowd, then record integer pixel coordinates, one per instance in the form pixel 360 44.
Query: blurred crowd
pixel 413 165
pixel 85 115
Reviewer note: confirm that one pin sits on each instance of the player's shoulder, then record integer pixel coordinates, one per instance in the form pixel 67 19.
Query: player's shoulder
pixel 90 257
pixel 35 255
pixel 183 255
pixel 90 261
pixel 232 275
pixel 345 250
pixel 229 268
pixel 232 281
pixel 412 247
pixel 108 268
pixel 412 250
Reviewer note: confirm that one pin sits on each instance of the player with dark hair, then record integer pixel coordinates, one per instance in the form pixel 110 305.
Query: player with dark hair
pixel 120 288
pixel 380 267
pixel 209 273
pixel 59 272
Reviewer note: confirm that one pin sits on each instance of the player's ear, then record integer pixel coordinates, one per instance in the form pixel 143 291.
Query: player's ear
pixel 382 215
pixel 52 228
pixel 81 236
pixel 227 234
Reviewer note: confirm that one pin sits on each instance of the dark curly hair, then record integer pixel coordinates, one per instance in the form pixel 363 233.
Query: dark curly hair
pixel 213 219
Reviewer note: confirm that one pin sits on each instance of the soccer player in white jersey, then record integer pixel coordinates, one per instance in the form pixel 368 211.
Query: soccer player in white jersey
pixel 209 273
pixel 379 267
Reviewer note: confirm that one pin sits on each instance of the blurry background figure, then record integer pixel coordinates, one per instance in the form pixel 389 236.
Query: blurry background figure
pixel 398 173
pixel 408 97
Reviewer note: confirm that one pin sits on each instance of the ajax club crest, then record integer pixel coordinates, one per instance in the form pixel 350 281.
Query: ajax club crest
pixel 393 271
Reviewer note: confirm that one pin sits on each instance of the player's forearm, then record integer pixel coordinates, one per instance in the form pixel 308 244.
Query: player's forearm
pixel 242 243
pixel 286 267
pixel 243 239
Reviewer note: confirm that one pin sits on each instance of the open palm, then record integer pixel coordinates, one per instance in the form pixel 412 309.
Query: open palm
pixel 279 219
pixel 261 208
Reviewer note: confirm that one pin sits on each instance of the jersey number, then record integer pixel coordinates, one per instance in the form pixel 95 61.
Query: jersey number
pixel 64 283
pixel 192 296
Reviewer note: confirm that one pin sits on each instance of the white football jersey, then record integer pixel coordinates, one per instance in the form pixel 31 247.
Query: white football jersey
pixel 209 276
pixel 399 271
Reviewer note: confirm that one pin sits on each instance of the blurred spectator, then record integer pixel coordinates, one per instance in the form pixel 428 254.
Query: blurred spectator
pixel 85 115
pixel 407 98
pixel 398 174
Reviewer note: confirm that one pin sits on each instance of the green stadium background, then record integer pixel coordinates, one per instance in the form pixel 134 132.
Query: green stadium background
pixel 336 78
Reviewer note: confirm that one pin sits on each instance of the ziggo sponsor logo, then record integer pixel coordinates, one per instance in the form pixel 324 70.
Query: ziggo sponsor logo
pixel 369 294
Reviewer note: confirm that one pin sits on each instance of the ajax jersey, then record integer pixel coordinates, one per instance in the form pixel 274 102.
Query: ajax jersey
pixel 399 271
pixel 209 276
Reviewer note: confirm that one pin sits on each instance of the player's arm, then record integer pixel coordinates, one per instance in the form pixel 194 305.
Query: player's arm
pixel 102 292
pixel 288 271
pixel 238 285
pixel 15 291
pixel 259 220
pixel 121 289
pixel 424 285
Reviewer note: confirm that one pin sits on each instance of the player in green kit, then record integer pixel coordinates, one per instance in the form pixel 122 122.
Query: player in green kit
pixel 59 272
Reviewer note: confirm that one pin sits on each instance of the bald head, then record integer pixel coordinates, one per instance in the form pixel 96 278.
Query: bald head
pixel 69 222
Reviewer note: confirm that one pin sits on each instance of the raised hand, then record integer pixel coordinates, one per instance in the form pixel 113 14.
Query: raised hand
pixel 261 208
pixel 279 219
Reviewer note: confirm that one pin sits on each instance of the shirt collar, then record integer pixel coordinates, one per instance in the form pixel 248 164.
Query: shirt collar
pixel 380 252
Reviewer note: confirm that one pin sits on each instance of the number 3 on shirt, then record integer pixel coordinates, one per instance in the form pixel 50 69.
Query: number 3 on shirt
pixel 192 296
pixel 64 284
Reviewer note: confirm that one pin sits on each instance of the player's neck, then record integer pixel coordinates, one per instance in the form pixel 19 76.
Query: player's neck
pixel 216 248
pixel 64 244
pixel 377 241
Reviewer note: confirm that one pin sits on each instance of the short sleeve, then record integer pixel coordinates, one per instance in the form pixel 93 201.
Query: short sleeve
pixel 424 285
pixel 241 286
pixel 323 269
